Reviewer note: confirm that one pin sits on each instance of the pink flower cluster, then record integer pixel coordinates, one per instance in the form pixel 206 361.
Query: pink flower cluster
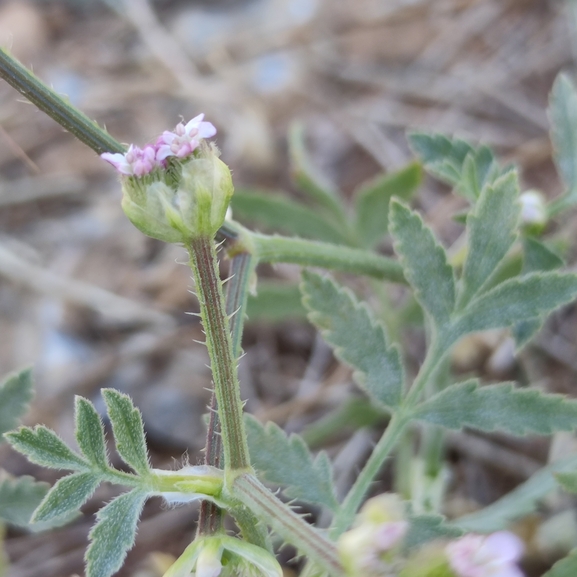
pixel 493 555
pixel 180 143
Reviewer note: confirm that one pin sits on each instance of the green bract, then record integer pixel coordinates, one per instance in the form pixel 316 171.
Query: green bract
pixel 185 201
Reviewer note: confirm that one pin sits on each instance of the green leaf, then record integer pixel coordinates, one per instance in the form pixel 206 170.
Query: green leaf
pixel 278 213
pixel 456 162
pixel 502 407
pixel 67 496
pixel 536 257
pixel 15 396
pixel 308 178
pixel 442 156
pixel 19 497
pixel 128 430
pixel 287 461
pixel 90 434
pixel 358 340
pixel 491 229
pixel 373 199
pixel 566 567
pixel 44 447
pixel 424 263
pixel 563 118
pixel 275 302
pixel 114 534
pixel 516 300
pixel 517 503
pixel 425 528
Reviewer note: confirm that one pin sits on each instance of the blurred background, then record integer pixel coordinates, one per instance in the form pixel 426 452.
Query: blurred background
pixel 91 302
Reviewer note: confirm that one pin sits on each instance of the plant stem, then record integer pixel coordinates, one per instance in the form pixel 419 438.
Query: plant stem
pixel 356 495
pixel 219 344
pixel 55 106
pixel 391 436
pixel 275 249
pixel 241 269
pixel 287 523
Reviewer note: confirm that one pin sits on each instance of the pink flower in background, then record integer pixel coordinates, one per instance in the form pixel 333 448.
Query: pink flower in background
pixel 494 555
pixel 135 162
pixel 185 138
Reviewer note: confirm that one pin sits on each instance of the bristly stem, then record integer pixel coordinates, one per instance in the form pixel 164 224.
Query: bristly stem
pixel 220 349
pixel 55 106
pixel 284 521
pixel 241 270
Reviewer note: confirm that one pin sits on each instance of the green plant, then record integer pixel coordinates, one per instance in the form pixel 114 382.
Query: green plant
pixel 178 190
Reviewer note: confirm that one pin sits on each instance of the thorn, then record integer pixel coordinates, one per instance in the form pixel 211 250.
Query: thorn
pixel 199 342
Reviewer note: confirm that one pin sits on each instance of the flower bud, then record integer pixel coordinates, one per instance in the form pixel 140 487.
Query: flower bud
pixel 533 209
pixel 187 200
pixel 371 547
pixel 187 484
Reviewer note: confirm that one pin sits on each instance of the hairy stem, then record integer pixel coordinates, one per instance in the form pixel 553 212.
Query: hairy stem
pixel 55 106
pixel 219 344
pixel 284 521
pixel 241 269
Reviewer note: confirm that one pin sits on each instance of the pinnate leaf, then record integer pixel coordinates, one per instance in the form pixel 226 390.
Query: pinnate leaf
pixel 517 299
pixel 44 447
pixel 456 162
pixel 358 340
pixel 128 430
pixel 491 228
pixel 424 263
pixel 114 534
pixel 67 496
pixel 566 567
pixel 499 407
pixel 90 434
pixel 15 396
pixel 287 461
pixel 374 197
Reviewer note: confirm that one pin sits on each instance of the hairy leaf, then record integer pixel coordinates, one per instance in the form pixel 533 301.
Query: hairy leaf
pixel 287 461
pixel 566 567
pixel 502 407
pixel 278 213
pixel 563 118
pixel 424 263
pixel 114 534
pixel 425 528
pixel 358 340
pixel 517 503
pixel 90 434
pixel 15 396
pixel 491 228
pixel 19 497
pixel 128 430
pixel 44 447
pixel 456 162
pixel 516 300
pixel 67 496
pixel 374 197
pixel 536 257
